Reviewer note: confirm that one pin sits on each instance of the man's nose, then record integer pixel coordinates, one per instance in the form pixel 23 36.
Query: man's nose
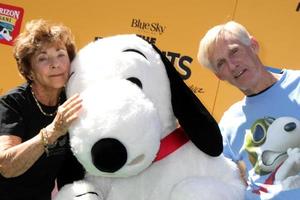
pixel 232 64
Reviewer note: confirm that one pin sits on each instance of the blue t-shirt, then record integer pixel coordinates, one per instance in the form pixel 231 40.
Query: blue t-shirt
pixel 263 133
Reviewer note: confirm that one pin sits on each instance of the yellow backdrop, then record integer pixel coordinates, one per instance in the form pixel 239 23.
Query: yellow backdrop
pixel 175 27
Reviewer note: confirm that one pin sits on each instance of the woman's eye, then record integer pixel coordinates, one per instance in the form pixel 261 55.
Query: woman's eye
pixel 42 59
pixel 61 55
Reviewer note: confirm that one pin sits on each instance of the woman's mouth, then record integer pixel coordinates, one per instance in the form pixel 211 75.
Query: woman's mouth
pixel 56 75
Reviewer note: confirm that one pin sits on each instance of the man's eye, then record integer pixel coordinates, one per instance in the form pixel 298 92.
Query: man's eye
pixel 234 51
pixel 220 64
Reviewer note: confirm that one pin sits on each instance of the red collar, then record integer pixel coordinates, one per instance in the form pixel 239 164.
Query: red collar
pixel 171 143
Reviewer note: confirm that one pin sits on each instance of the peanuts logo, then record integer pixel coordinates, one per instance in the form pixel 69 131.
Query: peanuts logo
pixel 10 23
pixel 182 62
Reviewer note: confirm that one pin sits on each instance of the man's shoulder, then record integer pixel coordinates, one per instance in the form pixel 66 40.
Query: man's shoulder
pixel 233 112
pixel 235 107
pixel 291 72
pixel 290 76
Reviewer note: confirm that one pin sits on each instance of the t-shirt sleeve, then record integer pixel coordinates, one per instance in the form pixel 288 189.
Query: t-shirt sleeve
pixel 11 121
pixel 227 150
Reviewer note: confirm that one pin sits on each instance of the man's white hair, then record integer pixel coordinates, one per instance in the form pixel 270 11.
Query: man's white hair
pixel 230 29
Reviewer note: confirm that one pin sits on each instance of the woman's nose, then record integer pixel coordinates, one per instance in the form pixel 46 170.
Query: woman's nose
pixel 53 63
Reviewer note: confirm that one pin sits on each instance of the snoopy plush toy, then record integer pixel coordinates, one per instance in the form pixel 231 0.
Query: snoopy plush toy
pixel 142 134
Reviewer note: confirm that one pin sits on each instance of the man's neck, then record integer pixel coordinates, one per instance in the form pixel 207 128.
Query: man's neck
pixel 267 81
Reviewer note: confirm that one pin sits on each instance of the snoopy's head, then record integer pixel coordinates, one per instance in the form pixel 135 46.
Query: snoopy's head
pixel 129 105
pixel 268 141
pixel 5 33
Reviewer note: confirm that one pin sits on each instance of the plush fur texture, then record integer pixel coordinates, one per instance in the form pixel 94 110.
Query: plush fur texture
pixel 133 98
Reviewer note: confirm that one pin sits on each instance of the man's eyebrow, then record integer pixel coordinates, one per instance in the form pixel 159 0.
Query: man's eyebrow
pixel 136 51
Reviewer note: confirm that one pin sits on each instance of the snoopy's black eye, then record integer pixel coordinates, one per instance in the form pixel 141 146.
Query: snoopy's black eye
pixel 135 51
pixel 289 127
pixel 136 81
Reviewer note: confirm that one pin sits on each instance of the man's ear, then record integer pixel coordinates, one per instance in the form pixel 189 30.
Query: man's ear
pixel 218 76
pixel 254 45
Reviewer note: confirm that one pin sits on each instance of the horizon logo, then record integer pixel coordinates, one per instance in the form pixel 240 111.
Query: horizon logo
pixel 153 27
pixel 10 23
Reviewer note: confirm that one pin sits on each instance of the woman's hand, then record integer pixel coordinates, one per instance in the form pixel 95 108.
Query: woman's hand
pixel 66 114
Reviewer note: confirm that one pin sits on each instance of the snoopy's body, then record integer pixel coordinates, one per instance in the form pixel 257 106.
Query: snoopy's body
pixel 126 89
pixel 173 178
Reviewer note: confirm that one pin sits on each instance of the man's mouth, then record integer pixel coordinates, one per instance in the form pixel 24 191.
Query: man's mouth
pixel 238 74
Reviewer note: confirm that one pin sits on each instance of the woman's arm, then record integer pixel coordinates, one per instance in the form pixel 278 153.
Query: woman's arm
pixel 17 157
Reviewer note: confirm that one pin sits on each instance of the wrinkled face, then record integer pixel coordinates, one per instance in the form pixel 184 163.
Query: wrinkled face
pixel 50 66
pixel 126 105
pixel 236 63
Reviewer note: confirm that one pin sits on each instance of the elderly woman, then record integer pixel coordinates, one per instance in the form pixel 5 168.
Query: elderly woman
pixel 34 117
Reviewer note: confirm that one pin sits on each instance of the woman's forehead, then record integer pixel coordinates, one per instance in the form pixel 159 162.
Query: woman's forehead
pixel 46 45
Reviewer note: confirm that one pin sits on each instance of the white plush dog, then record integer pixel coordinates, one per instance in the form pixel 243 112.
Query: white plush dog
pixel 127 137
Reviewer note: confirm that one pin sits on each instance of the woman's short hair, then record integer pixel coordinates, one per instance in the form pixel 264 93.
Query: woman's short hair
pixel 36 34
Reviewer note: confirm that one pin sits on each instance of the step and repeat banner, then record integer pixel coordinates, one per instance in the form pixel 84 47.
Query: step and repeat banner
pixel 174 26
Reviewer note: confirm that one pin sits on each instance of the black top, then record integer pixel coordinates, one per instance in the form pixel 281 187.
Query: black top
pixel 20 116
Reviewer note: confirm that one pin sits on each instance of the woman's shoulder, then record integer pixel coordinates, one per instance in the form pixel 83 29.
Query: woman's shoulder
pixel 17 94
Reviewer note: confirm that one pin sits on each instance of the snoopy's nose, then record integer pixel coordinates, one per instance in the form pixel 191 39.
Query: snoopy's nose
pixel 109 155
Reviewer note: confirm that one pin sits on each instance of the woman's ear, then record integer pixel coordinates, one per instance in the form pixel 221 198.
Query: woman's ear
pixel 30 76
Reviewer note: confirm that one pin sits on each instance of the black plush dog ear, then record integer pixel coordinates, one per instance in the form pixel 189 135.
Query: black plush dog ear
pixel 194 118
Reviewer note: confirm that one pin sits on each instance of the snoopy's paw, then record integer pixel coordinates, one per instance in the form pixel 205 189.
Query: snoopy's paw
pixel 205 188
pixel 293 152
pixel 292 182
pixel 290 167
pixel 294 157
pixel 80 190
